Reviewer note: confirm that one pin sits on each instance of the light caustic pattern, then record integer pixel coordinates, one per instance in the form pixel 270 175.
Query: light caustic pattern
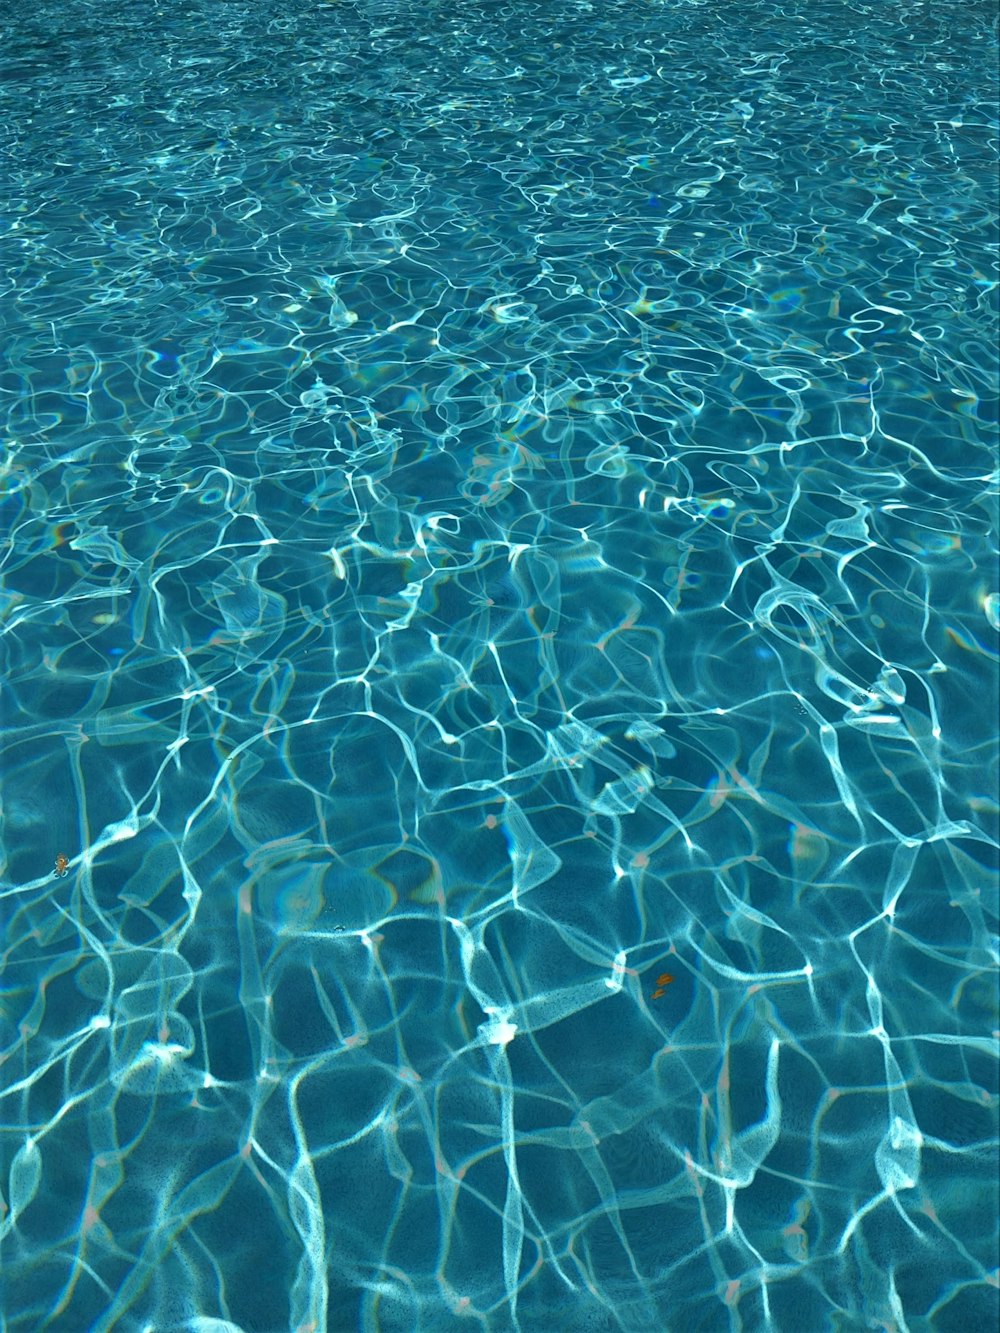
pixel 500 613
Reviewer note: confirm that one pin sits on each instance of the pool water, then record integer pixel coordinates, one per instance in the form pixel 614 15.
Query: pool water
pixel 500 608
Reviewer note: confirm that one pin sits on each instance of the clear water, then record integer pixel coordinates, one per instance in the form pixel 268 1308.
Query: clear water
pixel 500 617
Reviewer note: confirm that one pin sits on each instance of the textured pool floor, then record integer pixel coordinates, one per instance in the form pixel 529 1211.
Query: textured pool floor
pixel 500 610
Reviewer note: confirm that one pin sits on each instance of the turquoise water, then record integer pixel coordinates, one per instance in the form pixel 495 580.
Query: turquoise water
pixel 500 611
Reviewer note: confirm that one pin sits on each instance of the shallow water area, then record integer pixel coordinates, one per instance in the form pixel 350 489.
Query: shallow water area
pixel 500 620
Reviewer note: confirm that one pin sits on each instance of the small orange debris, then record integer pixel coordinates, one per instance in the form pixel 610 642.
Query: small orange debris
pixel 662 982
